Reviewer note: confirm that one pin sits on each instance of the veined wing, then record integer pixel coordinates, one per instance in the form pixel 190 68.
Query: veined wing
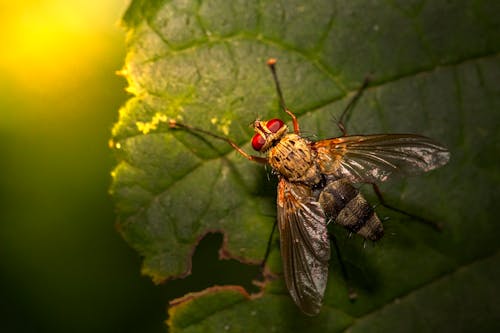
pixel 370 158
pixel 305 247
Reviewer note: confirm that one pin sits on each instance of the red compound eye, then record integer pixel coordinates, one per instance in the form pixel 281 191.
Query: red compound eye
pixel 258 142
pixel 274 125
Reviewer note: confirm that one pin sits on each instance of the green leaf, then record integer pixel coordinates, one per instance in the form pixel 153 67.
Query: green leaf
pixel 435 68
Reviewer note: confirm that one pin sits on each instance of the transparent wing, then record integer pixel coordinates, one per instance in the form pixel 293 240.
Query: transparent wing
pixel 305 247
pixel 371 158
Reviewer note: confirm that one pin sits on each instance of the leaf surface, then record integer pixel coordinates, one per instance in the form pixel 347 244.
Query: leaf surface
pixel 435 68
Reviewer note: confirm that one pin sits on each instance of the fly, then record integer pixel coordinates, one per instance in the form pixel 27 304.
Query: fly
pixel 316 186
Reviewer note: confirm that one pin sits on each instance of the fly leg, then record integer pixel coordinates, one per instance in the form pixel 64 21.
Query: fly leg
pixel 350 290
pixel 258 159
pixel 268 248
pixel 272 65
pixel 351 105
pixel 382 201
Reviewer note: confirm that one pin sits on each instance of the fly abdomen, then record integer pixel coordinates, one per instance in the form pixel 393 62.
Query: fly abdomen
pixel 343 203
pixel 335 196
pixel 358 216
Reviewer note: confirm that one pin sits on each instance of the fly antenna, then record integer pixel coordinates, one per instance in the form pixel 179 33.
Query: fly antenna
pixel 272 66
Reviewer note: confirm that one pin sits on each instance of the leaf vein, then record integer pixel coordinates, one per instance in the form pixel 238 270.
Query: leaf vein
pixel 435 280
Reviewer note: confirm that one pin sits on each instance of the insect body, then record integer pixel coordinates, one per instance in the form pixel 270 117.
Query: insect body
pixel 316 187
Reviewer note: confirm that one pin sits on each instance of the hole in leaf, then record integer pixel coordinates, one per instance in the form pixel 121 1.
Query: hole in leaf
pixel 208 270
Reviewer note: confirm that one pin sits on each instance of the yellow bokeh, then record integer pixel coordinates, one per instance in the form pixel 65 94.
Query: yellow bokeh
pixel 46 44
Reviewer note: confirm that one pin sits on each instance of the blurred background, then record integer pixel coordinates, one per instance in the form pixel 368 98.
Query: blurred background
pixel 62 267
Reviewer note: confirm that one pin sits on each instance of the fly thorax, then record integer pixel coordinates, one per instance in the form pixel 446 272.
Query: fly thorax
pixel 293 158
